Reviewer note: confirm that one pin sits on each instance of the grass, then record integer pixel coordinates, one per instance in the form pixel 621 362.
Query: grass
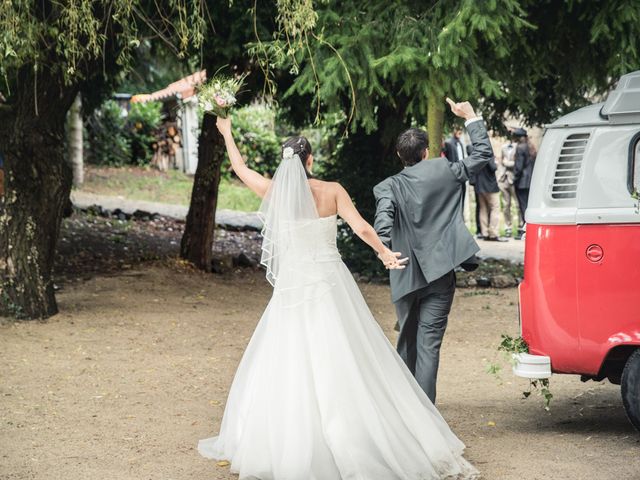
pixel 139 183
pixel 165 187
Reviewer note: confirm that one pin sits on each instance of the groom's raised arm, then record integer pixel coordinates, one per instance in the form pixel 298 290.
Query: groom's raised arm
pixel 481 153
pixel 385 211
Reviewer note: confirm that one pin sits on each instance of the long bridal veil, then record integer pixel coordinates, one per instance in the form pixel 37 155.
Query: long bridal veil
pixel 286 208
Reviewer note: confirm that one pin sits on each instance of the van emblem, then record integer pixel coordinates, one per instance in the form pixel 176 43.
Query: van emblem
pixel 595 253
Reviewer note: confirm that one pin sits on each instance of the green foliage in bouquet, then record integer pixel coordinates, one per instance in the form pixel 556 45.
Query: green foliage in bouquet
pixel 218 95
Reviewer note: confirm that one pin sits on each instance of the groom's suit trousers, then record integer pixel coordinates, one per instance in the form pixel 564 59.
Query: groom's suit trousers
pixel 422 316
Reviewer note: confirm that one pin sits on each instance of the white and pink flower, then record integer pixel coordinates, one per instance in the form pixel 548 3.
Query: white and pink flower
pixel 219 94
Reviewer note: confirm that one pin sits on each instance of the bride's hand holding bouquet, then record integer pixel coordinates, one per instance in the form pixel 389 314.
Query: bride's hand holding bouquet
pixel 224 125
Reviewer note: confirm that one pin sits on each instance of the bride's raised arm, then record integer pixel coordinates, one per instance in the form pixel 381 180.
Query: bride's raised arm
pixel 250 178
pixel 349 213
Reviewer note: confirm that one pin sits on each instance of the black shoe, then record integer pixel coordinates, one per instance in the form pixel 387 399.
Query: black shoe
pixel 496 239
pixel 507 232
pixel 479 236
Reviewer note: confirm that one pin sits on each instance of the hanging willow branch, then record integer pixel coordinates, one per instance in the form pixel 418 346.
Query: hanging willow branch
pixel 346 70
pixel 293 47
pixel 66 36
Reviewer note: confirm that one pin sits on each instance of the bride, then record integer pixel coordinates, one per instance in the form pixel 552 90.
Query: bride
pixel 320 393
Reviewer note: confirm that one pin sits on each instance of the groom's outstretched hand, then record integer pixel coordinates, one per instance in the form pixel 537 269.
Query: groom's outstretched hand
pixel 462 109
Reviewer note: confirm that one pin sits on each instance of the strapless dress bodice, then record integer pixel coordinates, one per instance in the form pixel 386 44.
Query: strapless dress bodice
pixel 314 240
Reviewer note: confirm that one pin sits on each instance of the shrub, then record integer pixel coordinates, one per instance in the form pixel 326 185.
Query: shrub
pixel 142 123
pixel 108 144
pixel 255 133
pixel 116 138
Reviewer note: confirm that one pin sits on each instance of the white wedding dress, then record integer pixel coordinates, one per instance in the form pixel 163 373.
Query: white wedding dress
pixel 320 393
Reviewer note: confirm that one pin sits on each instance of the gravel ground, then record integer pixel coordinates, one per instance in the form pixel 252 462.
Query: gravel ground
pixel 136 368
pixel 91 245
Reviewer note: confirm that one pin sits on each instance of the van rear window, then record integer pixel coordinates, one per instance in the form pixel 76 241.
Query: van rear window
pixel 634 165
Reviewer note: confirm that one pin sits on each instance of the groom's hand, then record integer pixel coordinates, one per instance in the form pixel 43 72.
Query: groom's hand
pixel 462 109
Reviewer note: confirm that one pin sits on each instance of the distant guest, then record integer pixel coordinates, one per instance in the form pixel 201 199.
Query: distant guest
pixel 453 147
pixel 472 182
pixel 488 199
pixel 455 152
pixel 525 159
pixel 505 175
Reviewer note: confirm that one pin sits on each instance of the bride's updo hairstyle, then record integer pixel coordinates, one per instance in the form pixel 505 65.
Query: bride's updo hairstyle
pixel 302 148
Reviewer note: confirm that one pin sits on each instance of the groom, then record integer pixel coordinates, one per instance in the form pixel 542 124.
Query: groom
pixel 419 214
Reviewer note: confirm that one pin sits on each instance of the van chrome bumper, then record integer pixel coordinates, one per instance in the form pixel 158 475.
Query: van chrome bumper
pixel 531 366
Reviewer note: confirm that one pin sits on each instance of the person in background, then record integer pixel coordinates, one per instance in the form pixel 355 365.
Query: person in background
pixel 525 158
pixel 472 182
pixel 506 164
pixel 488 201
pixel 454 150
pixel 453 147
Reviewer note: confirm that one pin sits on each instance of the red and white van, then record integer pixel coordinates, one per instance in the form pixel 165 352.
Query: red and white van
pixel 580 297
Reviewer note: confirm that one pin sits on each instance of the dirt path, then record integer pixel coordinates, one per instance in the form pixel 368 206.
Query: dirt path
pixel 136 369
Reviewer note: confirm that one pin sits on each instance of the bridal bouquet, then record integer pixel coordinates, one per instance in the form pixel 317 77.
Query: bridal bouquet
pixel 218 95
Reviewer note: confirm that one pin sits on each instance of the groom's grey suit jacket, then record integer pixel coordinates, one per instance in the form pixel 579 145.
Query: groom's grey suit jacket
pixel 419 213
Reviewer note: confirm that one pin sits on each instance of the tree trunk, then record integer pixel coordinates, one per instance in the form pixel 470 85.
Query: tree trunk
pixel 435 123
pixel 197 241
pixel 74 142
pixel 38 183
